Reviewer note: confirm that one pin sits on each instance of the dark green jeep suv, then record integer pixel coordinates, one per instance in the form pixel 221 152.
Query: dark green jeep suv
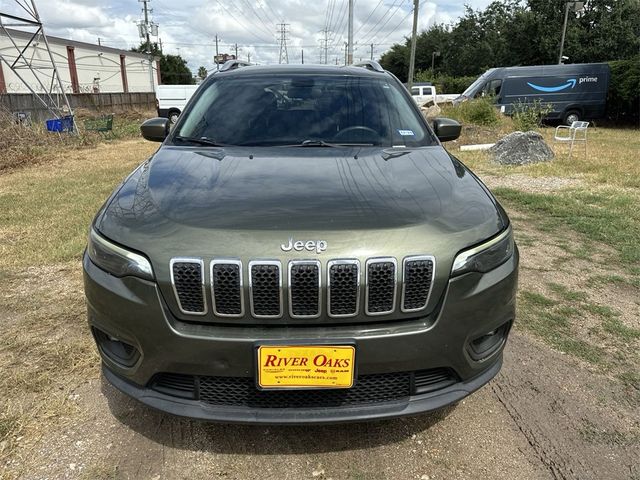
pixel 300 249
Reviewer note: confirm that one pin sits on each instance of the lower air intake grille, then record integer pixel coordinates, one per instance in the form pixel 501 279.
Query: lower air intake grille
pixel 343 289
pixel 266 289
pixel 304 289
pixel 242 392
pixel 188 282
pixel 434 379
pixel 227 289
pixel 381 286
pixel 176 385
pixel 418 276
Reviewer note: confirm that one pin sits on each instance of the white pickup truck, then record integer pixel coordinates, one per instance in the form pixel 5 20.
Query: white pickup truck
pixel 424 93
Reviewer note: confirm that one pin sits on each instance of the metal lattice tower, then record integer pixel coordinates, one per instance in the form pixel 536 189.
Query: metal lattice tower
pixel 282 30
pixel 324 46
pixel 33 62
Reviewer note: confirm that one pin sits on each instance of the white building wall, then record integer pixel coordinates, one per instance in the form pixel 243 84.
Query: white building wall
pixel 98 68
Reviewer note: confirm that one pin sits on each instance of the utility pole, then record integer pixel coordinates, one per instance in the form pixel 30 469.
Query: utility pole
pixel 249 57
pixel 372 51
pixel 160 40
pixel 284 55
pixel 577 7
pixel 303 56
pixel 433 62
pixel 237 52
pixel 217 53
pixel 350 40
pixel 346 53
pixel 146 28
pixel 99 42
pixel 414 40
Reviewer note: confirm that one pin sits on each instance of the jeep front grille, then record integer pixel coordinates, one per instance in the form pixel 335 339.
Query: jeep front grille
pixel 416 284
pixel 381 285
pixel 265 289
pixel 343 288
pixel 187 278
pixel 304 289
pixel 311 287
pixel 226 284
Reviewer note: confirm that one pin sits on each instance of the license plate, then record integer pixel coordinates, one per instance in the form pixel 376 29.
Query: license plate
pixel 305 366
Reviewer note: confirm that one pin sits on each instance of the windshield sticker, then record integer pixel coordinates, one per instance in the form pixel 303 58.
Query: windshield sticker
pixel 407 133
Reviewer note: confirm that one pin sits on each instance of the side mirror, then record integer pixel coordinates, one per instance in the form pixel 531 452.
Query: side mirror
pixel 155 129
pixel 446 129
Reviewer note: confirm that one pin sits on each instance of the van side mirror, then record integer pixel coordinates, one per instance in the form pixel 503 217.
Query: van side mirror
pixel 446 129
pixel 155 129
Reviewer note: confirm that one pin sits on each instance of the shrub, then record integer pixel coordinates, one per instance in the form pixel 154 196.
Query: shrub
pixel 479 111
pixel 623 102
pixel 529 115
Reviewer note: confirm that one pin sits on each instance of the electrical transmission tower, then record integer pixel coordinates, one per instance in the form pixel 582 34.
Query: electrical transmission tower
pixel 324 46
pixel 32 62
pixel 282 30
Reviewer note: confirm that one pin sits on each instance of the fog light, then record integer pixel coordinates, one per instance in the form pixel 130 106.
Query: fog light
pixel 120 352
pixel 486 345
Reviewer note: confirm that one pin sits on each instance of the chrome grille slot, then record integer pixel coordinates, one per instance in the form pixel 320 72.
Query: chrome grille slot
pixel 381 285
pixel 417 278
pixel 226 288
pixel 343 288
pixel 265 285
pixel 304 289
pixel 187 280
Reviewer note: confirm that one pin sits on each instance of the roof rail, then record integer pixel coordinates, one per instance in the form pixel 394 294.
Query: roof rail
pixel 370 65
pixel 233 65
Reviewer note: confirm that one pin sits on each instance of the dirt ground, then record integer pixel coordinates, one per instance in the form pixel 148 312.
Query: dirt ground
pixel 548 414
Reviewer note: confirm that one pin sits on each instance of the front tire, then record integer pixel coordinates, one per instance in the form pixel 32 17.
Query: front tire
pixel 571 116
pixel 173 116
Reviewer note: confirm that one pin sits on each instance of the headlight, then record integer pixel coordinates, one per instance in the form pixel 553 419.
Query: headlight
pixel 116 260
pixel 485 257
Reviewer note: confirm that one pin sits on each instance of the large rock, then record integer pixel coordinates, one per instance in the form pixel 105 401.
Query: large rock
pixel 521 148
pixel 431 111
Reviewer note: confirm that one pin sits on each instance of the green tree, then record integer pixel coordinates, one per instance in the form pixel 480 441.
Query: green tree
pixel 523 32
pixel 202 73
pixel 173 68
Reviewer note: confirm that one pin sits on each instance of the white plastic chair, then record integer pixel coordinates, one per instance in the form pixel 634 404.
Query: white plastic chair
pixel 577 132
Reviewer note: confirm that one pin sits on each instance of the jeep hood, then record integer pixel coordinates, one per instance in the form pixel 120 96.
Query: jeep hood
pixel 298 189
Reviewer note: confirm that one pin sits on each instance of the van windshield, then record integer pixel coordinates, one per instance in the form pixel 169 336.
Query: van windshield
pixel 471 91
pixel 277 110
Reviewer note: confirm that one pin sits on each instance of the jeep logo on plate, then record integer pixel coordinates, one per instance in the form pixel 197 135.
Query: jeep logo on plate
pixel 318 246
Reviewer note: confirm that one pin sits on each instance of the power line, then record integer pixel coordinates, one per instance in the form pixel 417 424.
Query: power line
pixel 238 22
pixel 396 28
pixel 372 28
pixel 370 15
pixel 266 28
pixel 371 37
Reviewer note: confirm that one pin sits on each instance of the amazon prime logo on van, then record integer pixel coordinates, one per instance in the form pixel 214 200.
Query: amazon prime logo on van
pixel 571 83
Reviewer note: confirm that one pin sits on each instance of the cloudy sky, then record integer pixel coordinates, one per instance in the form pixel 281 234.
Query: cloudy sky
pixel 188 27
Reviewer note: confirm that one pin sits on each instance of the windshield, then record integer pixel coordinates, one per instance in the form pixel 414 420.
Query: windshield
pixel 279 110
pixel 470 91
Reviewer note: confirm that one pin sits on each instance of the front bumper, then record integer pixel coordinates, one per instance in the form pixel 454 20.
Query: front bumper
pixel 133 311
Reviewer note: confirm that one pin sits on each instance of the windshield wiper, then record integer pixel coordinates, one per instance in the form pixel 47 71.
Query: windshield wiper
pixel 322 143
pixel 200 141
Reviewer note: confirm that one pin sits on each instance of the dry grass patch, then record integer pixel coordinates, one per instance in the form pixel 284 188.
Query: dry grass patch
pixel 46 351
pixel 611 160
pixel 45 212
